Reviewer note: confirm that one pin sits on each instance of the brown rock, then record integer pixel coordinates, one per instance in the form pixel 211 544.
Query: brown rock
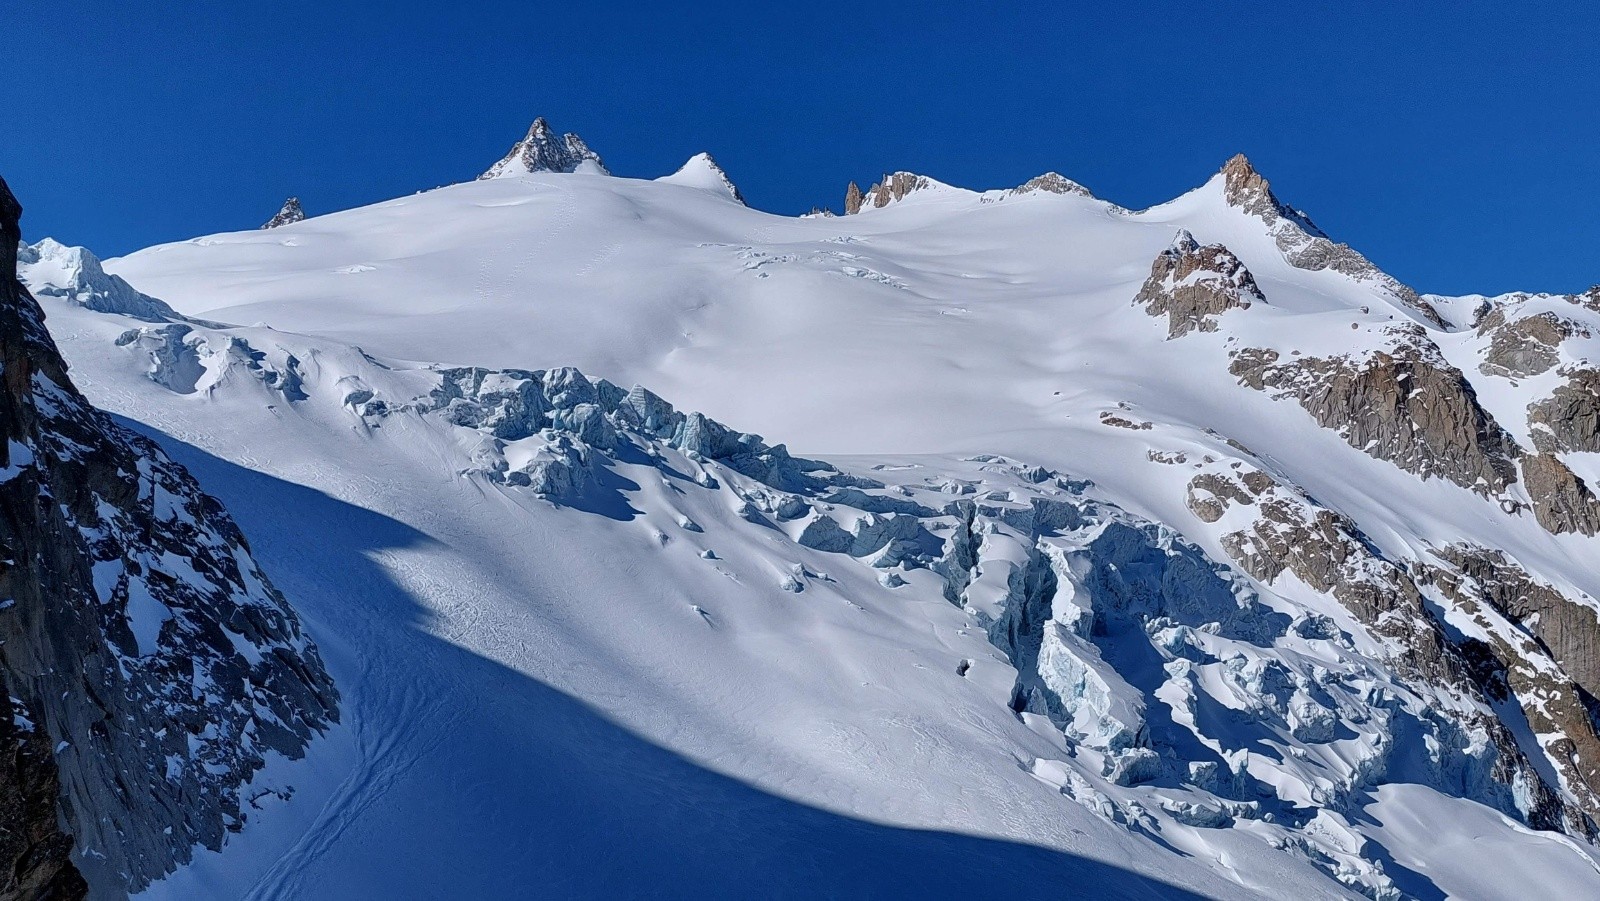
pixel 1191 284
pixel 1561 500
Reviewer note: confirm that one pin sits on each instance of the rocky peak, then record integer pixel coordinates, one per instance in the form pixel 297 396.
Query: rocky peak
pixel 148 668
pixel 1051 183
pixel 542 150
pixel 290 213
pixel 1246 188
pixel 701 171
pixel 1193 283
pixel 1303 244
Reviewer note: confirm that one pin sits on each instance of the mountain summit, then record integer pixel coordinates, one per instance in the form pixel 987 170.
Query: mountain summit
pixel 543 151
pixel 701 171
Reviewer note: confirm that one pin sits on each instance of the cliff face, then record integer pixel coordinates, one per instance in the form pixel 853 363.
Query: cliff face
pixel 151 667
pixel 1404 404
pixel 34 849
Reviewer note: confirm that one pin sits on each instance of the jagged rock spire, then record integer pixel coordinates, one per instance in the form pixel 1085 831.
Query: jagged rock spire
pixel 890 188
pixel 852 199
pixel 291 212
pixel 542 150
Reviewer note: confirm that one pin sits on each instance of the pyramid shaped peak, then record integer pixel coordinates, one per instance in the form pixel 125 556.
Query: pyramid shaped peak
pixel 288 214
pixel 702 171
pixel 542 150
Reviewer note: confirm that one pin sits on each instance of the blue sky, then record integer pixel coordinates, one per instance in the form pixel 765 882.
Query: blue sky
pixel 1455 144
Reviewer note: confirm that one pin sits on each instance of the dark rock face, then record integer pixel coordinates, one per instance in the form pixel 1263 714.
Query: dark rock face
pixel 1550 674
pixel 1569 419
pixel 1193 284
pixel 290 213
pixel 1305 245
pixel 35 850
pixel 1405 404
pixel 543 151
pixel 140 641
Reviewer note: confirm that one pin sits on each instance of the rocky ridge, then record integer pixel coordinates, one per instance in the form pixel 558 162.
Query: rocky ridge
pixel 1305 245
pixel 139 643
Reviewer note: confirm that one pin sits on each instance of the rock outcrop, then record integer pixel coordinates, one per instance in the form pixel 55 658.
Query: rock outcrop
pixel 289 214
pixel 151 665
pixel 542 150
pixel 1405 404
pixel 1284 530
pixel 1569 419
pixel 1305 245
pixel 1051 183
pixel 1192 284
pixel 1524 347
pixel 1541 649
pixel 853 199
pixel 887 190
pixel 1561 500
pixel 35 851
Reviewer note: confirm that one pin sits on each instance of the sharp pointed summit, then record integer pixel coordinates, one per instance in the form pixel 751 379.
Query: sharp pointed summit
pixel 290 213
pixel 1244 187
pixel 1303 244
pixel 701 171
pixel 543 151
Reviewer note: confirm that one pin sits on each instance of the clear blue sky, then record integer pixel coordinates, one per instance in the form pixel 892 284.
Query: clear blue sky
pixel 1457 144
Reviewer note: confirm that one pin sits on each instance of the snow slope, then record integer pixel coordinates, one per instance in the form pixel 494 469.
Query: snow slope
pixel 667 673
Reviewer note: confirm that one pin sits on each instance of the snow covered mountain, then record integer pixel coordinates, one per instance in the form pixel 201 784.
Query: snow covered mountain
pixel 1163 552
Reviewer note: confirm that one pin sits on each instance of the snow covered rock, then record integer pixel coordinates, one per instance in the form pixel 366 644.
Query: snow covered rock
pixel 1051 183
pixel 1192 285
pixel 1569 419
pixel 892 187
pixel 288 215
pixel 542 150
pixel 137 635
